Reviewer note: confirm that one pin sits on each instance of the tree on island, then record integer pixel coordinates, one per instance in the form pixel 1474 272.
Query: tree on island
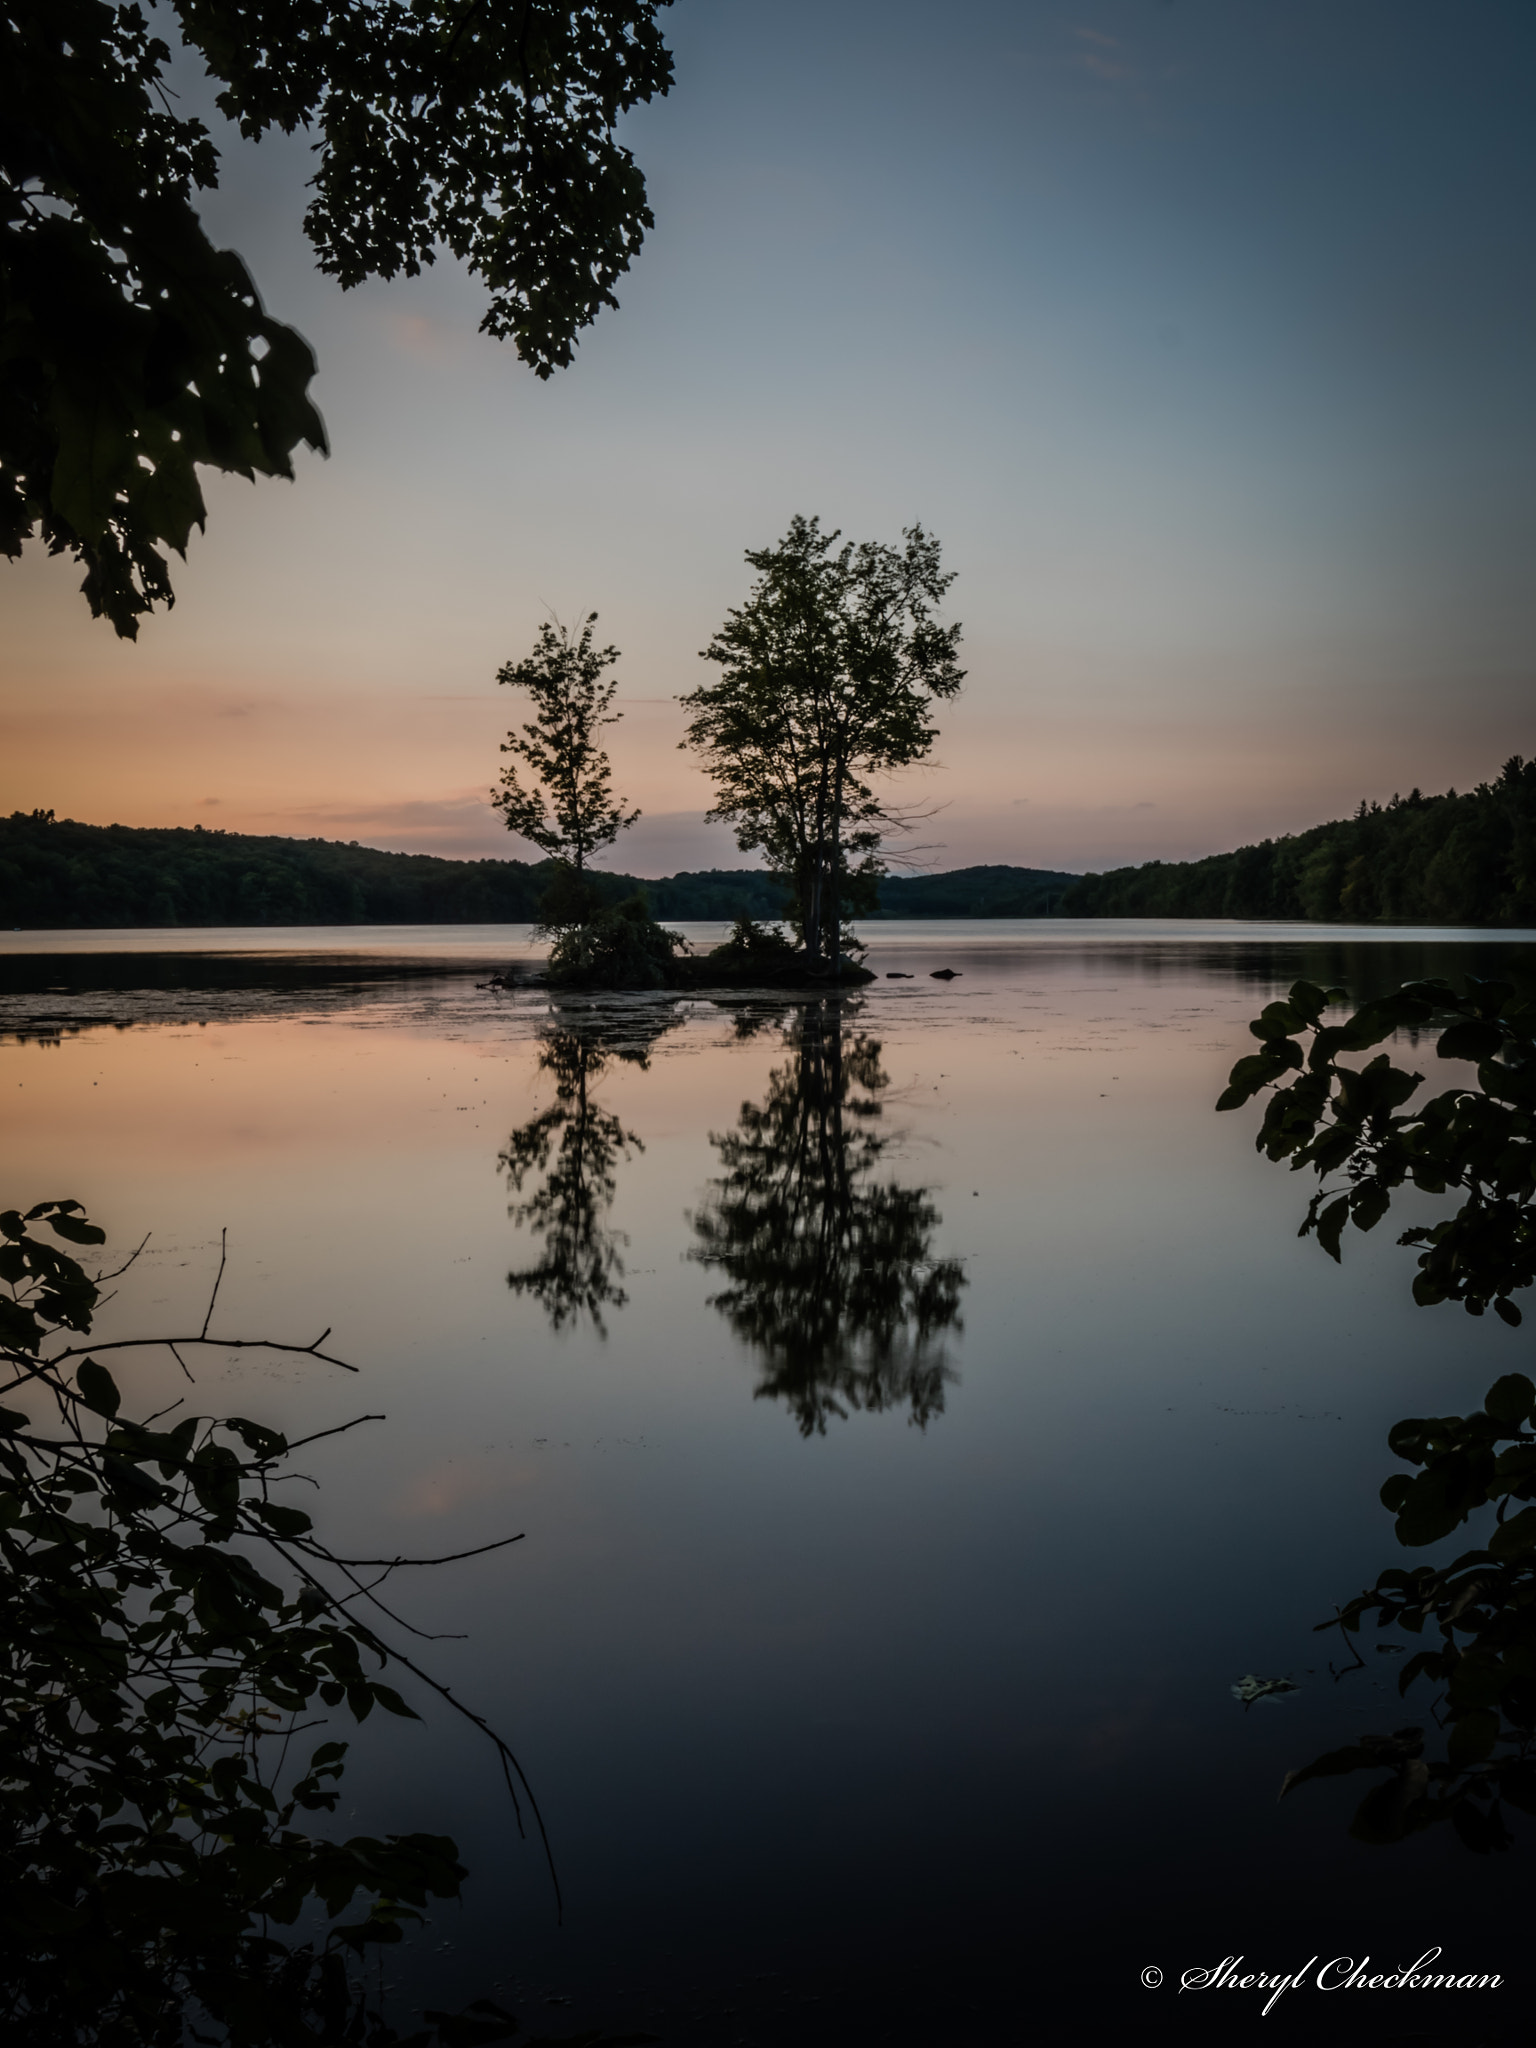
pixel 568 810
pixel 828 675
pixel 136 351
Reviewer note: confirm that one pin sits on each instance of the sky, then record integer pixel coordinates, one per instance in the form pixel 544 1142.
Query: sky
pixel 1200 332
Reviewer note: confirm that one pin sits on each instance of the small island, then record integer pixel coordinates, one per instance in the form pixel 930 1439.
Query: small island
pixel 828 673
pixel 621 946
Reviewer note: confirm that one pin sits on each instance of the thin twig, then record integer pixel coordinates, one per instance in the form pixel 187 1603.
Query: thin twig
pixel 102 1278
pixel 223 1256
pixel 299 1442
pixel 454 1557
pixel 509 1762
pixel 217 1343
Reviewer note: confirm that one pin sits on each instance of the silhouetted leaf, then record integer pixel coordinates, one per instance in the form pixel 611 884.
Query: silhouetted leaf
pixel 1473 1040
pixel 97 1387
pixel 1337 1763
pixel 1511 1398
pixel 1330 1226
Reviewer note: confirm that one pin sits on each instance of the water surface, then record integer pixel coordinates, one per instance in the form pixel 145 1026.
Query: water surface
pixel 920 1409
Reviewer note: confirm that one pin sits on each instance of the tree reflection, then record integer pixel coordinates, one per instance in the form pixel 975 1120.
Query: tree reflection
pixel 572 1152
pixel 830 1269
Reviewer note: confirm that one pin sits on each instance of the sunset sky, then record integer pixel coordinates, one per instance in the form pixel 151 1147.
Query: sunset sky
pixel 1201 332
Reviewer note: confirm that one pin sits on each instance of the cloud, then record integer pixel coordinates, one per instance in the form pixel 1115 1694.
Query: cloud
pixel 459 827
pixel 423 338
pixel 406 813
pixel 1111 69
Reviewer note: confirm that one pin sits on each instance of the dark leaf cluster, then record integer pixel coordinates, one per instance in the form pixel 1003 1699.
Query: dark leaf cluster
pixel 172 1634
pixel 1475 1619
pixel 1366 1134
pixel 133 351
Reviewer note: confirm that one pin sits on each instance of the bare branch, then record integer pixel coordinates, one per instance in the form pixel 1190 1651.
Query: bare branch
pixel 454 1557
pixel 216 1343
pixel 223 1258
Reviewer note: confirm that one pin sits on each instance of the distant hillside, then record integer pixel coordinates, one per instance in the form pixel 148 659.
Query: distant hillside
pixel 57 875
pixel 1417 860
pixel 976 892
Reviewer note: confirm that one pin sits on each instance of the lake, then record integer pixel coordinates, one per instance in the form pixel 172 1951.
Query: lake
pixel 920 1410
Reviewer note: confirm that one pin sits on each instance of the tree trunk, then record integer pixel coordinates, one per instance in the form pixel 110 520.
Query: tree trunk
pixel 816 922
pixel 834 873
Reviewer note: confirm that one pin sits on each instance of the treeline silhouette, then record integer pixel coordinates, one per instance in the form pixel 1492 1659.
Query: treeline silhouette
pixel 1448 859
pixel 59 875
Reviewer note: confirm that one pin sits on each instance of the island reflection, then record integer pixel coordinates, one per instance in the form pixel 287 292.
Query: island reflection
pixel 572 1151
pixel 830 1269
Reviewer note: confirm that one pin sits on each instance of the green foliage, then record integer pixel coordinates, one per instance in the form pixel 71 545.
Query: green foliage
pixel 621 947
pixel 132 350
pixel 754 957
pixel 827 676
pixel 752 945
pixel 1364 1133
pixel 169 1627
pixel 572 898
pixel 829 1269
pixel 1475 1619
pixel 570 812
pixel 1417 860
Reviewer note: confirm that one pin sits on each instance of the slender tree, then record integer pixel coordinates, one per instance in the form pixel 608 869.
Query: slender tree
pixel 828 674
pixel 569 810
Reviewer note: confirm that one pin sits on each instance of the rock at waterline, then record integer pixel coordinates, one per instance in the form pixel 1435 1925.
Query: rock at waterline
pixel 896 975
pixel 945 974
pixel 1250 1688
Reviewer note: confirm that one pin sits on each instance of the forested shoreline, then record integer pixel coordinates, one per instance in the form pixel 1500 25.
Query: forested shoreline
pixel 1468 859
pixel 1452 859
pixel 57 875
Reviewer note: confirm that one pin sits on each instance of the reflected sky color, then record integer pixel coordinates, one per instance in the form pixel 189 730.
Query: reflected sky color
pixel 901 1719
pixel 1199 332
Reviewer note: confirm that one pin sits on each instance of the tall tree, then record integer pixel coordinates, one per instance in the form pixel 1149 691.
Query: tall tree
pixel 570 811
pixel 828 674
pixel 133 351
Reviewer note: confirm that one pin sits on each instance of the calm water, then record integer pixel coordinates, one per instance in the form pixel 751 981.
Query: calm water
pixel 921 1411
